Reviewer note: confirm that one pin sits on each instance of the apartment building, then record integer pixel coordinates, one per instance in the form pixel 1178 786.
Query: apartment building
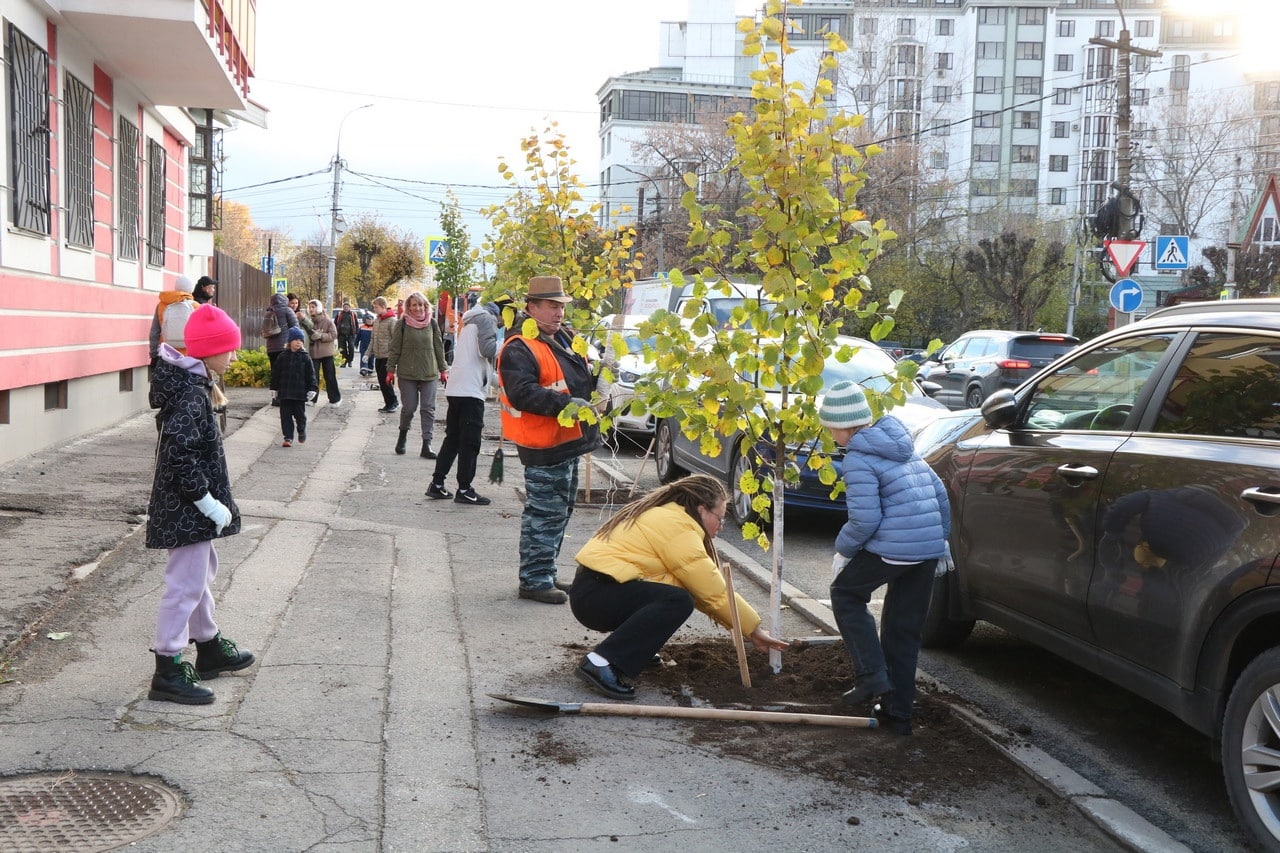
pixel 112 130
pixel 1009 103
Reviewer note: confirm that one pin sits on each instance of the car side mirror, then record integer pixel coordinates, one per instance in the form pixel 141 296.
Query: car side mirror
pixel 1000 410
pixel 930 389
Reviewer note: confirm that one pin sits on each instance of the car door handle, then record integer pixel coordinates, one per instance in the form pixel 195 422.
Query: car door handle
pixel 1082 472
pixel 1262 494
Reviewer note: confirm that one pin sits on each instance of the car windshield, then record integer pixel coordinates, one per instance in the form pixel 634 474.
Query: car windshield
pixel 723 306
pixel 870 366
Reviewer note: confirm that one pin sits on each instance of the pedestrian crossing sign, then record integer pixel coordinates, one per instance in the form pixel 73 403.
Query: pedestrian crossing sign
pixel 436 249
pixel 1172 251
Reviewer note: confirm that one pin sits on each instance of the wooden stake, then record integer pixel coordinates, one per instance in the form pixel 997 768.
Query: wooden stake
pixel 734 621
pixel 648 452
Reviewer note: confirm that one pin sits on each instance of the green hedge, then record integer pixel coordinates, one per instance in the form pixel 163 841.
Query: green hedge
pixel 251 369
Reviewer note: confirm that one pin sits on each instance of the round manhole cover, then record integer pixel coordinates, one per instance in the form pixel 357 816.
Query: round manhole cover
pixel 73 811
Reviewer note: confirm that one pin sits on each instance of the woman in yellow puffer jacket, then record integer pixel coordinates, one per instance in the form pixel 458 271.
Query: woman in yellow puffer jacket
pixel 643 573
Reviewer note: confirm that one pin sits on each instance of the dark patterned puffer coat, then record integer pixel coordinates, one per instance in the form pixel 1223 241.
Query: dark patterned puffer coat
pixel 189 460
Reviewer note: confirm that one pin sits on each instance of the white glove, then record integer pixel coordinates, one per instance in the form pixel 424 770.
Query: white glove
pixel 838 562
pixel 214 510
pixel 945 563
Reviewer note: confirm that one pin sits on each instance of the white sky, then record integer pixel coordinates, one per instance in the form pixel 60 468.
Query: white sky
pixel 454 87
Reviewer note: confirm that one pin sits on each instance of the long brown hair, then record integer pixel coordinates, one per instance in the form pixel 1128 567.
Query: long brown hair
pixel 696 490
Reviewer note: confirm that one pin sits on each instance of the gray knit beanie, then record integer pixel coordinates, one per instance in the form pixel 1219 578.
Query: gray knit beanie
pixel 844 407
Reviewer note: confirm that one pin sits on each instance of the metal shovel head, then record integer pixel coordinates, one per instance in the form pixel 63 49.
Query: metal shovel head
pixel 611 709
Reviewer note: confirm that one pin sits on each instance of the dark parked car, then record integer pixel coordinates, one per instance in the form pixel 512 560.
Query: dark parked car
pixel 977 364
pixel 1122 510
pixel 674 454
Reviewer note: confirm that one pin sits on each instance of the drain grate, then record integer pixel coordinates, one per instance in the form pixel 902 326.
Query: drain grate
pixel 73 811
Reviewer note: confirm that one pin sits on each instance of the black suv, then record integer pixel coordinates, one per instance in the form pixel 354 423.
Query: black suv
pixel 1122 509
pixel 977 364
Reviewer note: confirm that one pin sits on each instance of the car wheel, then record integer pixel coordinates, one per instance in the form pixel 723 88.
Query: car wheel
pixel 973 397
pixel 1251 748
pixel 740 501
pixel 940 630
pixel 664 453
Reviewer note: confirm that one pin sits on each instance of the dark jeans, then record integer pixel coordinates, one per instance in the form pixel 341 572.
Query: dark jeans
pixel 347 349
pixel 889 661
pixel 463 429
pixel 642 616
pixel 550 491
pixel 291 412
pixel 325 365
pixel 389 399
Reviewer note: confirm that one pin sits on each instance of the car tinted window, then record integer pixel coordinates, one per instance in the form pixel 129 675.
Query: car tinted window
pixel 1097 389
pixel 1229 385
pixel 1039 348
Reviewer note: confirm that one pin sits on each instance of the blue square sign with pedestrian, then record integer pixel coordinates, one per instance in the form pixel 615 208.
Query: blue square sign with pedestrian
pixel 1172 252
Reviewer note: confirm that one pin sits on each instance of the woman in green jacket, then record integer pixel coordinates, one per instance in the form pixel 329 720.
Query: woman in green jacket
pixel 643 573
pixel 417 362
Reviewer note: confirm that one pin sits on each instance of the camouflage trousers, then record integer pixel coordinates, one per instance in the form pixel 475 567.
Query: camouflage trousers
pixel 549 494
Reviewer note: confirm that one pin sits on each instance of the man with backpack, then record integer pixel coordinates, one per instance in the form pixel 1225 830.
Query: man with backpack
pixel 348 327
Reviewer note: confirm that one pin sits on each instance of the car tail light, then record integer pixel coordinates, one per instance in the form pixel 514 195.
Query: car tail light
pixel 1014 364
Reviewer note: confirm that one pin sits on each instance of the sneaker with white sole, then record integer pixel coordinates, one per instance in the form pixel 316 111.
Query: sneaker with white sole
pixel 469 496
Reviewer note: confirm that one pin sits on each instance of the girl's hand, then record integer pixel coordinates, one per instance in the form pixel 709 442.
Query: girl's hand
pixel 764 641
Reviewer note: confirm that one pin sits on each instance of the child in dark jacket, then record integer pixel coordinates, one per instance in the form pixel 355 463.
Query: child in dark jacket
pixel 191 506
pixel 293 378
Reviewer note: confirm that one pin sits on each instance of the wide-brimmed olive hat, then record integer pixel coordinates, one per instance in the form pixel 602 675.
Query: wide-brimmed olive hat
pixel 547 287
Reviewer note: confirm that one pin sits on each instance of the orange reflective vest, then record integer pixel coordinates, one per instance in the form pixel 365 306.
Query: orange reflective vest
pixel 526 428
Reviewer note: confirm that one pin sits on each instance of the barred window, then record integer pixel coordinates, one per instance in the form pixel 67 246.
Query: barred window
pixel 28 132
pixel 204 182
pixel 128 189
pixel 78 109
pixel 155 203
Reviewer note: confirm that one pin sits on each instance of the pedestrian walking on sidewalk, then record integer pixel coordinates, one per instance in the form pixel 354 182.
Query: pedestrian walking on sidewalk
pixel 293 378
pixel 324 345
pixel 539 377
pixel 898 525
pixel 380 350
pixel 348 326
pixel 190 506
pixel 466 392
pixel 171 315
pixel 417 363
pixel 643 573
pixel 281 317
pixel 363 339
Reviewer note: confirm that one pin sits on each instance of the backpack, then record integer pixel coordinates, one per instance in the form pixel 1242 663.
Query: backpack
pixel 270 324
pixel 346 324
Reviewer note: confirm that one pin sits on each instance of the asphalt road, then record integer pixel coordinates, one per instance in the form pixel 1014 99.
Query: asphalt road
pixel 1140 754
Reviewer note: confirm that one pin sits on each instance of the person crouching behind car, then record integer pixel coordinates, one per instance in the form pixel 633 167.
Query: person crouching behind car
pixel 643 573
pixel 898 525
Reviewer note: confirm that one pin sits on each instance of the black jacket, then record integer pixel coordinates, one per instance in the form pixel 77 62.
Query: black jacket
pixel 519 371
pixel 189 460
pixel 293 376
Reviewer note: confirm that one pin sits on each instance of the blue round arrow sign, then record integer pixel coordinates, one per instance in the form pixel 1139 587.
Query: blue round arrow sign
pixel 1126 295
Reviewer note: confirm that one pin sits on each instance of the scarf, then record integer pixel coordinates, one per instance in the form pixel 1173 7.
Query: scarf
pixel 415 323
pixel 389 314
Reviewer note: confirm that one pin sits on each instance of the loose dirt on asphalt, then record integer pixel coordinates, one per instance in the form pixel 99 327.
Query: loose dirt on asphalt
pixel 945 767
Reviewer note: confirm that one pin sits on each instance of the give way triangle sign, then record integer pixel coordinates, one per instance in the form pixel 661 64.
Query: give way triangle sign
pixel 1124 253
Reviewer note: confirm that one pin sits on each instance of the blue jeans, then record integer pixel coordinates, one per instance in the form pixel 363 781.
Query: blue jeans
pixel 888 661
pixel 549 492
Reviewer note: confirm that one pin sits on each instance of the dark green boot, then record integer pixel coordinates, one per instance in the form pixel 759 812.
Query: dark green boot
pixel 401 442
pixel 176 681
pixel 219 655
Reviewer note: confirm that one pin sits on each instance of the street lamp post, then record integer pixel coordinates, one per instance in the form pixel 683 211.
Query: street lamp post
pixel 333 221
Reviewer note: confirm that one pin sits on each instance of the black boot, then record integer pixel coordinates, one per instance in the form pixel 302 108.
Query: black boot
pixel 176 681
pixel 427 452
pixel 219 655
pixel 401 442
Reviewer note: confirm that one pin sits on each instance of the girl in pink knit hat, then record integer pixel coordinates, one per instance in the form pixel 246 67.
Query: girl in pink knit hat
pixel 191 506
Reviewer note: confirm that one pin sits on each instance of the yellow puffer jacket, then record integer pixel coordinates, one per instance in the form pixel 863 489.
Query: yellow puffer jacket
pixel 664 545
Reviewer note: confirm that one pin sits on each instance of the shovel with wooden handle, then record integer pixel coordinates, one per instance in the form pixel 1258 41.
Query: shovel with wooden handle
pixel 604 709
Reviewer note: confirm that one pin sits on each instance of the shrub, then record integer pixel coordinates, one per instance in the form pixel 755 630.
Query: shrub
pixel 251 369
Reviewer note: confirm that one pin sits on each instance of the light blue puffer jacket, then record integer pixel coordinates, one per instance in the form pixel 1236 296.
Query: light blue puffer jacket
pixel 897 506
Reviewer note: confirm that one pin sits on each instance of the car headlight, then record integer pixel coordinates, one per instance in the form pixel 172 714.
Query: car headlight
pixel 627 377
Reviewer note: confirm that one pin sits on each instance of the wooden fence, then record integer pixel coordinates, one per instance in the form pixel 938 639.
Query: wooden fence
pixel 243 292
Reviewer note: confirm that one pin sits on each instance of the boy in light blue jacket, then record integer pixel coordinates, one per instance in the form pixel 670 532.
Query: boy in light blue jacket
pixel 898 525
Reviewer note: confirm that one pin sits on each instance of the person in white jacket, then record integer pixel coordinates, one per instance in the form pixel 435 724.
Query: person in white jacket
pixel 468 387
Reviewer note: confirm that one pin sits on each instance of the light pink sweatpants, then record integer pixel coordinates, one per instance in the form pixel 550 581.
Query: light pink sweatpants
pixel 186 608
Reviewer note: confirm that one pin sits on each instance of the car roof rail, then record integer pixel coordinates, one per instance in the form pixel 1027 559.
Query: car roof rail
pixel 1259 305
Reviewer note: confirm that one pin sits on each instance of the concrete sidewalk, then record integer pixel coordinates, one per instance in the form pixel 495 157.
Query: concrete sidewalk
pixel 381 621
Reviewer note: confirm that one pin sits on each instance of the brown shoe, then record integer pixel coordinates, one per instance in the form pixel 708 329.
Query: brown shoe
pixel 546 596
